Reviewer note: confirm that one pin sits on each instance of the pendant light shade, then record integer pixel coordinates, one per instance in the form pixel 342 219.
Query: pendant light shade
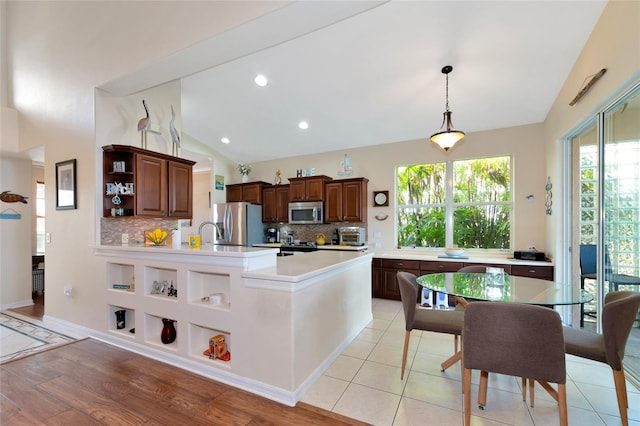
pixel 447 135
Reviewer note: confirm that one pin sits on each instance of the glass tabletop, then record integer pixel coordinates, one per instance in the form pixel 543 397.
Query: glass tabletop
pixel 503 288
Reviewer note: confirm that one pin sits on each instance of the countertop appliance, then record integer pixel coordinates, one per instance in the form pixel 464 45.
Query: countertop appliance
pixel 273 235
pixel 238 224
pixel 352 236
pixel 306 213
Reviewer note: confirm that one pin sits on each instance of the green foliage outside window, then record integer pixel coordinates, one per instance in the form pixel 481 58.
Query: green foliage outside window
pixel 480 206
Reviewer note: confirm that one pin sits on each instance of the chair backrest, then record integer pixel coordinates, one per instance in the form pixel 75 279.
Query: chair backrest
pixel 619 313
pixel 409 288
pixel 589 261
pixel 588 258
pixel 514 339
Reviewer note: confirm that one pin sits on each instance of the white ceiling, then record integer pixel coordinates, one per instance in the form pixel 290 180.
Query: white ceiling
pixel 370 73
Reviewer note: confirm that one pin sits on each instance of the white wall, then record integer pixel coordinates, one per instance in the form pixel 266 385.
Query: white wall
pixel 378 164
pixel 15 235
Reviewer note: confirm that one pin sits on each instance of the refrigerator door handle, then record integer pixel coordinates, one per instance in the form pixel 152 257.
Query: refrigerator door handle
pixel 228 223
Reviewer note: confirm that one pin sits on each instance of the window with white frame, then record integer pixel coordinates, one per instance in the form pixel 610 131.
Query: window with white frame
pixel 464 203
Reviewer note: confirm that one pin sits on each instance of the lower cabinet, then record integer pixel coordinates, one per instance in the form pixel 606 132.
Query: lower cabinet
pixel 385 286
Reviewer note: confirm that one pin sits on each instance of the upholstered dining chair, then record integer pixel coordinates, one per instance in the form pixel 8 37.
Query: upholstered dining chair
pixel 435 320
pixel 618 315
pixel 516 340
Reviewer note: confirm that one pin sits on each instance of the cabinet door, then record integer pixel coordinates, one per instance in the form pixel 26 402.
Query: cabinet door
pixel 234 193
pixel 315 189
pixel 282 203
pixel 297 190
pixel 252 193
pixel 151 186
pixel 354 196
pixel 390 289
pixel 180 190
pixel 333 202
pixel 269 205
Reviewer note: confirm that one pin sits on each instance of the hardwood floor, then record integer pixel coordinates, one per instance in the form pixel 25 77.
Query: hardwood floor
pixel 35 311
pixel 92 383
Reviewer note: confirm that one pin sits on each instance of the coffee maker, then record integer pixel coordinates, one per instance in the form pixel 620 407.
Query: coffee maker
pixel 272 235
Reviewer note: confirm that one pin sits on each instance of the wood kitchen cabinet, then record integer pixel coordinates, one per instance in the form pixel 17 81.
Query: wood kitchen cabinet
pixel 384 284
pixel 250 192
pixel 156 184
pixel 346 200
pixel 275 204
pixel 310 188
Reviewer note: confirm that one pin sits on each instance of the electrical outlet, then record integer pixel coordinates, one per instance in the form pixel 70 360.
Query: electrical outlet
pixel 125 238
pixel 68 291
pixel 531 248
pixel 47 237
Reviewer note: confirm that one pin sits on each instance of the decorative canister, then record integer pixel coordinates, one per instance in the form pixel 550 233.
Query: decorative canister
pixel 168 334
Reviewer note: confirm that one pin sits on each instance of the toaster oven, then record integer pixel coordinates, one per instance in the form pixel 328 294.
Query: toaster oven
pixel 353 236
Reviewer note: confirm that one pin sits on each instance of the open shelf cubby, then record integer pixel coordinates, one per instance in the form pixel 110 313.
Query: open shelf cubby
pixel 153 328
pixel 209 289
pixel 129 321
pixel 158 281
pixel 199 342
pixel 120 275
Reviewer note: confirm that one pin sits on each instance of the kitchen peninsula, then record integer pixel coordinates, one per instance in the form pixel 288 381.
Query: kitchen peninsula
pixel 284 321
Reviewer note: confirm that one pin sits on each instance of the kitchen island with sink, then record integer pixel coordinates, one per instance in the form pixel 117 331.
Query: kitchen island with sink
pixel 284 320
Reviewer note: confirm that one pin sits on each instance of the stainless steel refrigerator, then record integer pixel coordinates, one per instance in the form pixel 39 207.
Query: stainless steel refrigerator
pixel 238 224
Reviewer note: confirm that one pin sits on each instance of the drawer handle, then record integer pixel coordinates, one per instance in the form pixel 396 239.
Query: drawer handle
pixel 532 270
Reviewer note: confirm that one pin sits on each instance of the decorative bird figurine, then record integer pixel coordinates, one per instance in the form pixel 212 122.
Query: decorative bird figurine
pixel 175 136
pixel 143 126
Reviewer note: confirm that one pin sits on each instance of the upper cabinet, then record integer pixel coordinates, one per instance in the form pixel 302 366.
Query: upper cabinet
pixel 346 200
pixel 309 188
pixel 275 204
pixel 250 192
pixel 145 183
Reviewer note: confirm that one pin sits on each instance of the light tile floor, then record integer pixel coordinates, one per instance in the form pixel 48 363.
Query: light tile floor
pixel 364 384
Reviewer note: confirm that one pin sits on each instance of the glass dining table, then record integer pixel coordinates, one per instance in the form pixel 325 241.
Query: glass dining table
pixel 500 287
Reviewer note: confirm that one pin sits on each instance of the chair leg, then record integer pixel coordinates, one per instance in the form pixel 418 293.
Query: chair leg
pixel 621 394
pixel 524 388
pixel 532 384
pixel 482 389
pixel 455 343
pixel 466 382
pixel 404 353
pixel 562 404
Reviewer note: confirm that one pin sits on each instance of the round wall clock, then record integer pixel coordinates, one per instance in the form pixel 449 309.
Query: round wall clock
pixel 380 198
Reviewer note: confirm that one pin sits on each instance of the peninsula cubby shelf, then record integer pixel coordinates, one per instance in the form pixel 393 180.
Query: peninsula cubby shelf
pixel 200 310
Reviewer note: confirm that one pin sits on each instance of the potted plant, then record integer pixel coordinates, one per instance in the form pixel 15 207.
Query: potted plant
pixel 244 170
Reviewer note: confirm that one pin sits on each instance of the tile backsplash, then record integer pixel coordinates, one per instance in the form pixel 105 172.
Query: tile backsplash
pixel 112 228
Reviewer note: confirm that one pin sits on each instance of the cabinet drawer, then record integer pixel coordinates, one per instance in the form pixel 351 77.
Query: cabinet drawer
pixel 543 272
pixel 401 264
pixel 377 262
pixel 507 268
pixel 430 267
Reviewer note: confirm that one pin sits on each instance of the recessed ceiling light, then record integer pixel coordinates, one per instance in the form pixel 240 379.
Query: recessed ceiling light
pixel 261 80
pixel 303 125
pixel 225 140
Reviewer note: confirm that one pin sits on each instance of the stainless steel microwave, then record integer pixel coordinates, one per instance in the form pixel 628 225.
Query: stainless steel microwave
pixel 305 213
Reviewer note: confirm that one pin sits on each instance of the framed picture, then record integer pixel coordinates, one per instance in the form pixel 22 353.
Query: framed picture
pixel 380 198
pixel 66 194
pixel 219 182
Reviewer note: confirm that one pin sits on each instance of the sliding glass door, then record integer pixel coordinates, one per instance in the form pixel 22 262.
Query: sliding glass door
pixel 606 195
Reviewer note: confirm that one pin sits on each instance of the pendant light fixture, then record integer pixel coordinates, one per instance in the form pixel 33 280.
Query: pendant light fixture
pixel 447 136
